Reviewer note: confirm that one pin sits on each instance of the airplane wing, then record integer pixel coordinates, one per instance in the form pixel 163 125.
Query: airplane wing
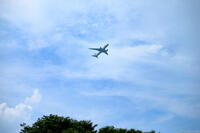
pixel 105 46
pixel 95 49
pixel 98 53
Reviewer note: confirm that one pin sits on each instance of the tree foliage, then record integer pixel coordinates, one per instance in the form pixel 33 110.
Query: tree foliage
pixel 112 129
pixel 59 124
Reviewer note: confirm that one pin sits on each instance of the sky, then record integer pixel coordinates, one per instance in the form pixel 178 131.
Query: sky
pixel 149 81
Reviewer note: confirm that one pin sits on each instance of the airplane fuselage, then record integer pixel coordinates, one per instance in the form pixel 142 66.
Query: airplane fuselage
pixel 103 50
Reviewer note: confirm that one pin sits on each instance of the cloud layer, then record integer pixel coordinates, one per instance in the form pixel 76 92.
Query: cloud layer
pixel 150 77
pixel 11 117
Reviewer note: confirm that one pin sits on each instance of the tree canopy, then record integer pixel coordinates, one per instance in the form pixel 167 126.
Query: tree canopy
pixel 60 124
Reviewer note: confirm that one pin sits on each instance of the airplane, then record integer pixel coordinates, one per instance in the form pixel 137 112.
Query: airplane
pixel 101 50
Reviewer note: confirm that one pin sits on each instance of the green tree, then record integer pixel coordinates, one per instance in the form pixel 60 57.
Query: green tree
pixel 107 129
pixel 58 124
pixel 112 129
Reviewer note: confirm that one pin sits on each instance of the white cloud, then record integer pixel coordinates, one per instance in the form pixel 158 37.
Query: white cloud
pixel 26 15
pixel 11 117
pixel 20 111
pixel 35 98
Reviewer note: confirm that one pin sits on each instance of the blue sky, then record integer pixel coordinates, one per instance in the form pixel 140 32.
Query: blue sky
pixel 150 80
